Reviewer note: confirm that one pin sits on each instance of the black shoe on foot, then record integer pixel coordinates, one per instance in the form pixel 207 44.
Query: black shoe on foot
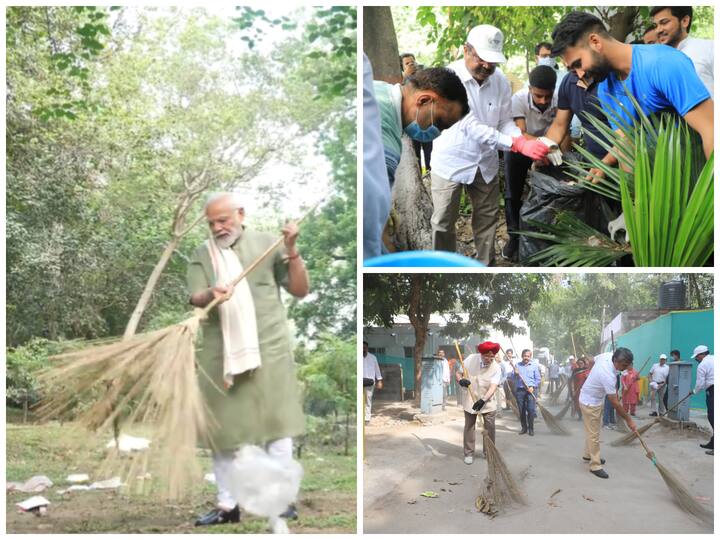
pixel 523 431
pixel 290 513
pixel 587 460
pixel 219 516
pixel 653 414
pixel 707 446
pixel 531 432
pixel 710 452
pixel 600 473
pixel 509 252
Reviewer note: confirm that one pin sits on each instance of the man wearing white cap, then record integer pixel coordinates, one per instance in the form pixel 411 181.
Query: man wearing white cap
pixel 658 384
pixel 705 380
pixel 467 153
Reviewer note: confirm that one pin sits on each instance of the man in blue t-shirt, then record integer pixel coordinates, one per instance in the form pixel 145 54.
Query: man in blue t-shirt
pixel 659 77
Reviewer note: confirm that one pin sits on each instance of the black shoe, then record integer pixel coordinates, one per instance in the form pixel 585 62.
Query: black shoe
pixel 710 452
pixel 653 414
pixel 531 432
pixel 509 252
pixel 587 460
pixel 707 446
pixel 523 431
pixel 600 473
pixel 218 517
pixel 290 513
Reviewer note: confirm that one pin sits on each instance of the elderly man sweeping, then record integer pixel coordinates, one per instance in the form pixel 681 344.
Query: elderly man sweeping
pixel 245 361
pixel 483 377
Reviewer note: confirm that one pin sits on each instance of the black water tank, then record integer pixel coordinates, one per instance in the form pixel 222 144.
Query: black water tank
pixel 672 295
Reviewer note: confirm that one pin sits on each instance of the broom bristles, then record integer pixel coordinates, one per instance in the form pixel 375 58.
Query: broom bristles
pixel 560 415
pixel 502 488
pixel 683 496
pixel 551 422
pixel 153 382
pixel 630 437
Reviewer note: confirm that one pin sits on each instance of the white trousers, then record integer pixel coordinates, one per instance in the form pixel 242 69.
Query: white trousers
pixel 280 449
pixel 368 401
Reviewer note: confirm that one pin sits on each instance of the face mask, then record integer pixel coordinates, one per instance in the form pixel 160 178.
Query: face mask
pixel 547 61
pixel 415 132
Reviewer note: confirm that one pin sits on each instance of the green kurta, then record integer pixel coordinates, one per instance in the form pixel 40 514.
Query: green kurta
pixel 263 404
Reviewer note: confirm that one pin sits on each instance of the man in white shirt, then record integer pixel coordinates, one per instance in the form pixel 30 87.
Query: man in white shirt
pixel 466 155
pixel 371 377
pixel 553 376
pixel 705 380
pixel 658 385
pixel 445 376
pixel 673 29
pixel 599 385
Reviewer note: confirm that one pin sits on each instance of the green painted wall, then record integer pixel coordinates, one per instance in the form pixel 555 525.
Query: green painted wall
pixel 681 330
pixel 408 368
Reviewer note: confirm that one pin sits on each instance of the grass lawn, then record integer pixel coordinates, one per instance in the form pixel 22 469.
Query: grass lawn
pixel 327 498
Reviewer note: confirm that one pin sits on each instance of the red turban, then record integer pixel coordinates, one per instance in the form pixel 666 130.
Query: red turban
pixel 488 346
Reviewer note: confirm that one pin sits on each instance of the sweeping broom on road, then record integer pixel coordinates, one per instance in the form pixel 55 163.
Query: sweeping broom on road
pixel 154 377
pixel 679 492
pixel 550 420
pixel 630 437
pixel 501 488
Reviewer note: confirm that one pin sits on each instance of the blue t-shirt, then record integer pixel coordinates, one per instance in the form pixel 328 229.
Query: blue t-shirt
pixel 583 102
pixel 661 79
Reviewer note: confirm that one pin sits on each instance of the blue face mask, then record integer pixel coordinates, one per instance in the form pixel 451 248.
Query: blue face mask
pixel 415 132
pixel 547 61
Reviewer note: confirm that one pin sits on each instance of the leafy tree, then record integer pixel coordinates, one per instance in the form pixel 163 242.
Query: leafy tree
pixel 485 299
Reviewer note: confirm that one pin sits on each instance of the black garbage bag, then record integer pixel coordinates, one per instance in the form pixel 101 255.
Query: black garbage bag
pixel 551 191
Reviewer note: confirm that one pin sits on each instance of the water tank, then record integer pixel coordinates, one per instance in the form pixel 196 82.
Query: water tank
pixel 672 295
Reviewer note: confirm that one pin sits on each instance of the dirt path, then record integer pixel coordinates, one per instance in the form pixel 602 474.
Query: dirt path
pixel 402 461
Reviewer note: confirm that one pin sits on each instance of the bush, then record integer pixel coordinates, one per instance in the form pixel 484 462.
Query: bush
pixel 22 365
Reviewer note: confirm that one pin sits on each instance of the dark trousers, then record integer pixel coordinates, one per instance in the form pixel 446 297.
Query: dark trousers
pixel 710 402
pixel 516 169
pixel 608 413
pixel 526 403
pixel 427 150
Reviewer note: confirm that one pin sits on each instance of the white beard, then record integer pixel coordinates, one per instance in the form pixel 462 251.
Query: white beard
pixel 226 241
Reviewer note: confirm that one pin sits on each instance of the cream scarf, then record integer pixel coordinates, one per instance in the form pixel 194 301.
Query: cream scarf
pixel 241 350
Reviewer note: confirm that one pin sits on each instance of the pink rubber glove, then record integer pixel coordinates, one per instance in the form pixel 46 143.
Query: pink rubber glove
pixel 532 148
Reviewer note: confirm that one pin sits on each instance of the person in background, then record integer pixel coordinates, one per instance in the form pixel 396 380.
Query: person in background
pixel 533 111
pixel 445 376
pixel 673 29
pixel 650 35
pixel 553 377
pixel 371 378
pixel 408 66
pixel 501 403
pixel 526 381
pixel 657 376
pixel 705 381
pixel 579 375
pixel 509 365
pixel 630 390
pixel 376 187
pixel 601 384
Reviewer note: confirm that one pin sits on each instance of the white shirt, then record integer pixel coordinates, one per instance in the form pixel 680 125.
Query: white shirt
pixel 445 371
pixel 371 369
pixel 600 383
pixel 705 373
pixel 658 373
pixel 537 122
pixel 474 141
pixel 554 370
pixel 506 370
pixel 473 363
pixel 701 52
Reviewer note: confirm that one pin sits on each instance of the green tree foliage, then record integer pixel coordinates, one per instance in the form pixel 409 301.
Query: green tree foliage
pixel 579 305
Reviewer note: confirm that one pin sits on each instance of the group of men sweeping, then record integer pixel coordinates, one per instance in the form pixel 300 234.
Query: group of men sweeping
pixel 468 112
pixel 592 388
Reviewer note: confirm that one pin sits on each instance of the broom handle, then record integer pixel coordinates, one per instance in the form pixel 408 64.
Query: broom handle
pixel 650 453
pixel 645 364
pixel 465 372
pixel 573 343
pixel 677 404
pixel 518 374
pixel 257 261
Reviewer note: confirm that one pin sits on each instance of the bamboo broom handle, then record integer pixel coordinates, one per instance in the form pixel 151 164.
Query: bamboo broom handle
pixel 677 404
pixel 572 338
pixel 256 262
pixel 465 372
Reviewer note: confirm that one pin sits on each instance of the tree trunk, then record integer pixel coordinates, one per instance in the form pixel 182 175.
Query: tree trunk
pixel 149 288
pixel 419 317
pixel 380 44
pixel 622 22
pixel 347 433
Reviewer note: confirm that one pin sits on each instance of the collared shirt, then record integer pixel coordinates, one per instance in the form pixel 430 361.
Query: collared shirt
pixel 658 373
pixel 389 100
pixel 473 365
pixel 506 370
pixel 537 122
pixel 702 54
pixel 445 371
pixel 371 368
pixel 705 373
pixel 661 79
pixel 582 102
pixel 376 188
pixel 530 373
pixel 600 383
pixel 474 141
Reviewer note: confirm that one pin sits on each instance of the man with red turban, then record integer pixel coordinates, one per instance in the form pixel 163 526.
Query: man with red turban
pixel 480 381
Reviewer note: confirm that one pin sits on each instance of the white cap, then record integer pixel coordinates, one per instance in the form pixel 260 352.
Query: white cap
pixel 488 43
pixel 699 350
pixel 663 356
pixel 571 357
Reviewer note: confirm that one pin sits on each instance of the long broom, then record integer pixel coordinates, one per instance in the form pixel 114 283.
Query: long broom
pixel 550 420
pixel 679 492
pixel 630 437
pixel 154 377
pixel 501 487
